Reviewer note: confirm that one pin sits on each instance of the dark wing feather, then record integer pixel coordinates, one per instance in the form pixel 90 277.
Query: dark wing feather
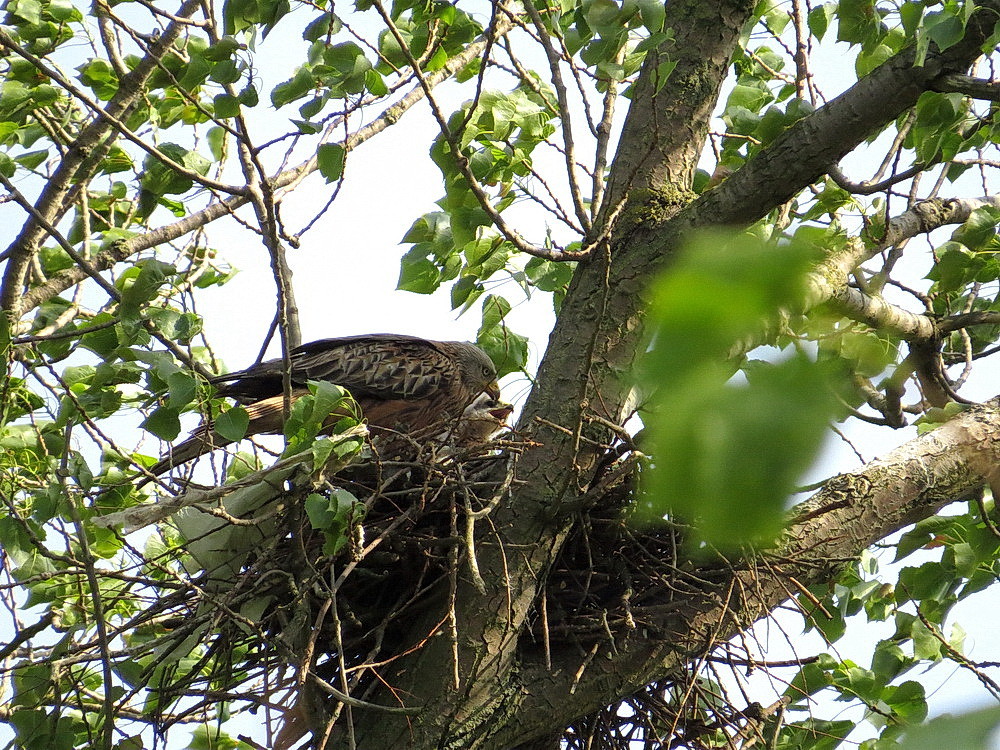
pixel 379 366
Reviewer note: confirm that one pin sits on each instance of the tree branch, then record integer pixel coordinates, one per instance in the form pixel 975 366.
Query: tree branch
pixel 123 249
pixel 604 307
pixel 83 156
pixel 977 88
pixel 851 513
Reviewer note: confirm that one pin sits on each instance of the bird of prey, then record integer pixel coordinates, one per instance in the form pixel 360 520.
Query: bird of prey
pixel 403 384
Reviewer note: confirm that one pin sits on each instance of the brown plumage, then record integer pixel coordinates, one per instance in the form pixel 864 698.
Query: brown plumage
pixel 403 384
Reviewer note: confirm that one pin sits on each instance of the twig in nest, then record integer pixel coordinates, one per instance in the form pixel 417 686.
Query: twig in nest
pixel 583 668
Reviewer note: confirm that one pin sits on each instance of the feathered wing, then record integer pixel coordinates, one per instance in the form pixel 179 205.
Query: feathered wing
pixel 402 383
pixel 380 366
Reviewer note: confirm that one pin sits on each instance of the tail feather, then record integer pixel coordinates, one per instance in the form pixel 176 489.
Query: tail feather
pixel 265 418
pixel 202 441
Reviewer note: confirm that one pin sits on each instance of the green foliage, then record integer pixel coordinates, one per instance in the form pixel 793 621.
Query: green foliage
pixel 729 436
pixel 508 350
pixel 334 514
pixel 724 454
pixel 331 158
pixel 496 140
pixel 970 731
pixel 309 414
pixel 956 558
pixel 232 424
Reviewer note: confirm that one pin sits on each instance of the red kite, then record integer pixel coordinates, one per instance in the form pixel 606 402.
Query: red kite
pixel 403 384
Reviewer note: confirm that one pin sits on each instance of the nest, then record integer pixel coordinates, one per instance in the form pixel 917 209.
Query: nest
pixel 306 624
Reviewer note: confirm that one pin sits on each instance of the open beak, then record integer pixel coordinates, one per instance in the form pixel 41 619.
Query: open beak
pixel 501 413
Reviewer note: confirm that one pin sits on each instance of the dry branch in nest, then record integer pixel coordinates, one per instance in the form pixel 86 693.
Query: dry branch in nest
pixel 301 619
pixel 311 620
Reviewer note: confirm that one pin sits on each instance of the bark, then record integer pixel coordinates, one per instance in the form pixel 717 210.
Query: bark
pixel 850 514
pixel 505 695
pixel 470 716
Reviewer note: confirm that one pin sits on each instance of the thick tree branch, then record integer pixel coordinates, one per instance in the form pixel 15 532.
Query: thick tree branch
pixel 870 188
pixel 529 527
pixel 115 122
pixel 977 88
pixel 829 281
pixel 852 512
pixel 594 344
pixel 883 315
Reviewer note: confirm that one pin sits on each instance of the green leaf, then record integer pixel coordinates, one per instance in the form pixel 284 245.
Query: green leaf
pixel 815 734
pixel 7 165
pixel 311 413
pixel 232 424
pixel 29 10
pixel 417 273
pixel 31 159
pixel 548 275
pixel 331 158
pixel 907 701
pixel 601 14
pixel 117 160
pixel 811 678
pixel 333 515
pixel 979 229
pixel 889 661
pixel 652 13
pixel 221 50
pixel 212 738
pixel 820 18
pixel 375 83
pixel 248 96
pixel 507 349
pixel 926 645
pixel 182 389
pixel 859 22
pixel 945 29
pixel 295 88
pixel 323 27
pixel 140 284
pixel 164 422
pixel 100 77
pixel 969 731
pixel 226 106
pixel 734 456
pixel 216 139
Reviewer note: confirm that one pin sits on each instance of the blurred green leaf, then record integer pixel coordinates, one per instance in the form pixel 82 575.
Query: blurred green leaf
pixel 726 455
pixel 968 731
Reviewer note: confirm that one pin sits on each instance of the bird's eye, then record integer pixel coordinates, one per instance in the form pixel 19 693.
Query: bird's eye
pixel 487 370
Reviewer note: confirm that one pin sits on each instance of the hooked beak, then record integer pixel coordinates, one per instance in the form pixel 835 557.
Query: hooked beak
pixel 493 389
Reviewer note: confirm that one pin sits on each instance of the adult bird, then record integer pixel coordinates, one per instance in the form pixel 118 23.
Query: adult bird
pixel 403 384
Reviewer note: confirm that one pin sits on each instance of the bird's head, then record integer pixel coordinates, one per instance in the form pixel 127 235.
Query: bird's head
pixel 481 420
pixel 477 371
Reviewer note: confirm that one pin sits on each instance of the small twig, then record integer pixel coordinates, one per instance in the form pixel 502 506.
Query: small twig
pixel 810 596
pixel 583 667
